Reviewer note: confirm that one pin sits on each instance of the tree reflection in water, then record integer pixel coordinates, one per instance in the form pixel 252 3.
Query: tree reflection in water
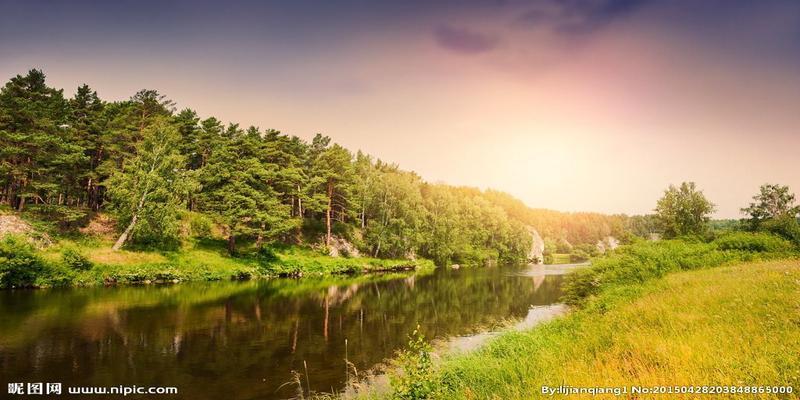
pixel 241 340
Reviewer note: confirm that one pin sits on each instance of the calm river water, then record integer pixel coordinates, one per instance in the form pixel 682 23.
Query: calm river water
pixel 242 340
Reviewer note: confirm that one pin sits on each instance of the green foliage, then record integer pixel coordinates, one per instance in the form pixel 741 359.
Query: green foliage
pixel 575 228
pixel 415 380
pixel 20 266
pixel 772 202
pixel 786 227
pixel 200 225
pixel 75 259
pixel 148 192
pixel 236 190
pixel 683 210
pixel 583 252
pixel 65 216
pixel 646 260
pixel 753 242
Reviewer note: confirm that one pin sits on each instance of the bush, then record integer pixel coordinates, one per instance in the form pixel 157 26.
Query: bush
pixel 579 255
pixel 415 380
pixel 787 227
pixel 753 242
pixel 20 266
pixel 200 225
pixel 75 260
pixel 583 252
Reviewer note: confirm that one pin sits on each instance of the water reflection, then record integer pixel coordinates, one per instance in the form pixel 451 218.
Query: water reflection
pixel 241 340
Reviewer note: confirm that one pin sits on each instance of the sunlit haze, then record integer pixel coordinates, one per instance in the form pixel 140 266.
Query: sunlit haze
pixel 577 106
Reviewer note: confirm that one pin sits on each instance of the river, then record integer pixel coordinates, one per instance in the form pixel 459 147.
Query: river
pixel 243 340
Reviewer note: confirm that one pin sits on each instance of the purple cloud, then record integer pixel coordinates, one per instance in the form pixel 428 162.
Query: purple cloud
pixel 464 41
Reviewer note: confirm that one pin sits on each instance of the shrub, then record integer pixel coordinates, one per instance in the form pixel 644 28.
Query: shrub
pixel 200 225
pixel 753 242
pixel 578 255
pixel 786 227
pixel 415 380
pixel 75 260
pixel 20 266
pixel 56 275
pixel 583 252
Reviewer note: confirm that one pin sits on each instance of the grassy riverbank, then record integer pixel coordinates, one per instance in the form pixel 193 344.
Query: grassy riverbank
pixel 651 314
pixel 92 262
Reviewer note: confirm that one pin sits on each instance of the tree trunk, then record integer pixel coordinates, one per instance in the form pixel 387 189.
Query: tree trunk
pixel 363 218
pixel 126 233
pixel 129 229
pixel 299 203
pixel 260 238
pixel 325 326
pixel 21 203
pixel 231 243
pixel 328 214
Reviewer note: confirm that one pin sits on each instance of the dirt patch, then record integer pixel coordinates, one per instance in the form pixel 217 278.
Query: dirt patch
pixel 102 226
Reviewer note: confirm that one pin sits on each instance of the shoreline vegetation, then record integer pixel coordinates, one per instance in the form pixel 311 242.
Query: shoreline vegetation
pixel 664 313
pixel 93 262
pixel 132 190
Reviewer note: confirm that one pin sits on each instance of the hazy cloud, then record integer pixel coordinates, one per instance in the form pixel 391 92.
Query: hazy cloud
pixel 577 16
pixel 462 40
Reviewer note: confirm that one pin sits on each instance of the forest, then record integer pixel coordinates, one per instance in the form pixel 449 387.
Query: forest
pixel 164 175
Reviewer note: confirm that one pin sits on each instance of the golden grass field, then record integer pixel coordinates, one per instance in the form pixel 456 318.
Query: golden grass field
pixel 730 326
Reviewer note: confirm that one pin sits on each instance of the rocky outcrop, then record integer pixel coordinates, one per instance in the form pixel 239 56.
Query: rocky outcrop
pixel 536 253
pixel 340 247
pixel 11 224
pixel 607 243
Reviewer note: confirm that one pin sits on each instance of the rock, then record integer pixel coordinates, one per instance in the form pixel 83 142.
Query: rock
pixel 606 244
pixel 340 247
pixel 11 224
pixel 536 254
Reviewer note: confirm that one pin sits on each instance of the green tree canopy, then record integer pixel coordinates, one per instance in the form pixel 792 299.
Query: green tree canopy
pixel 149 190
pixel 772 202
pixel 683 210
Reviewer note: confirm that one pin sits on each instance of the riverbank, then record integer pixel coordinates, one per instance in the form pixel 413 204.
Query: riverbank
pixel 90 262
pixel 649 314
pixel 729 326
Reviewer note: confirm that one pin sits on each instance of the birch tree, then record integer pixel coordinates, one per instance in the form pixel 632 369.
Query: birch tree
pixel 149 190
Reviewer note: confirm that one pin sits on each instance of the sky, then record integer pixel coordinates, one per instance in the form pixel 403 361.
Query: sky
pixel 573 105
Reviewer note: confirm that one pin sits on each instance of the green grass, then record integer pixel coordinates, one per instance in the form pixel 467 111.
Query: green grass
pixel 649 314
pixel 735 325
pixel 561 258
pixel 195 260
